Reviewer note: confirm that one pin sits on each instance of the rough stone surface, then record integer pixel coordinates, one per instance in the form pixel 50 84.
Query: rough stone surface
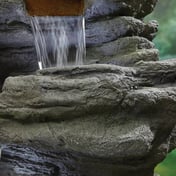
pixel 125 51
pixel 17 53
pixel 104 8
pixel 122 116
pixel 109 30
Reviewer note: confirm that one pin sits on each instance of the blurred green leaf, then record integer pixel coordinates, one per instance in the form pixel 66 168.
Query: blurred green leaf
pixel 168 166
pixel 165 14
pixel 165 41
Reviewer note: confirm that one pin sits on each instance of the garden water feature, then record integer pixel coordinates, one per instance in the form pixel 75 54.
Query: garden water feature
pixel 59 41
pixel 91 120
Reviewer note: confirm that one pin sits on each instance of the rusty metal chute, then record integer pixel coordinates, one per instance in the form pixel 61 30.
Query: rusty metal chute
pixel 54 7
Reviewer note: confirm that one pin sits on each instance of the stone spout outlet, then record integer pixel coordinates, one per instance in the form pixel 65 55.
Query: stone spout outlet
pixel 55 7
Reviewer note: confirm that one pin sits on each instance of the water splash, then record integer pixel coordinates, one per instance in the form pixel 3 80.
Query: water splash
pixel 59 41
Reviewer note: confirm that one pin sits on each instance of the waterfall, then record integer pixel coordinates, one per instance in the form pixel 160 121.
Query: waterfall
pixel 59 41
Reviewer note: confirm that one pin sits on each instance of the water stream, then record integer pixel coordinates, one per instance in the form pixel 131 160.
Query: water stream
pixel 59 41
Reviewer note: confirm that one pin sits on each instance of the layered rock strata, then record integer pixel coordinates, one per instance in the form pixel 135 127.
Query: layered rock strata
pixel 107 22
pixel 96 120
pixel 121 118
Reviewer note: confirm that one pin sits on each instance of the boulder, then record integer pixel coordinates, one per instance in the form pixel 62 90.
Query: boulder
pixel 116 117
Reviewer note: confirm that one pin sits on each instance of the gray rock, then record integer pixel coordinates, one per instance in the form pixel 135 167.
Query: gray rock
pixel 109 30
pixel 162 72
pixel 131 58
pixel 17 53
pixel 6 170
pixel 104 8
pixel 125 51
pixel 18 60
pixel 15 36
pixel 116 114
pixel 61 163
pixel 13 11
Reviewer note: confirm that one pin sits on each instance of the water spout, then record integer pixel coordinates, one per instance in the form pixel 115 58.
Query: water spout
pixel 59 40
pixel 55 7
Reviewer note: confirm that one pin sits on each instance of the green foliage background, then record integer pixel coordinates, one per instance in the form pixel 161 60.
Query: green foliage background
pixel 168 166
pixel 165 14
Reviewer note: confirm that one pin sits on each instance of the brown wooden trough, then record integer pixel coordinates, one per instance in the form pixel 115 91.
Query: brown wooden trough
pixel 55 7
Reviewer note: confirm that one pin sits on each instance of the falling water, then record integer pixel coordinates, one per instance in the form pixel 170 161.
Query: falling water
pixel 59 41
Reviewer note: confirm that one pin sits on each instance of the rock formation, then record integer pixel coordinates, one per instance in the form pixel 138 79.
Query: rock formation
pixel 118 21
pixel 93 120
pixel 119 119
